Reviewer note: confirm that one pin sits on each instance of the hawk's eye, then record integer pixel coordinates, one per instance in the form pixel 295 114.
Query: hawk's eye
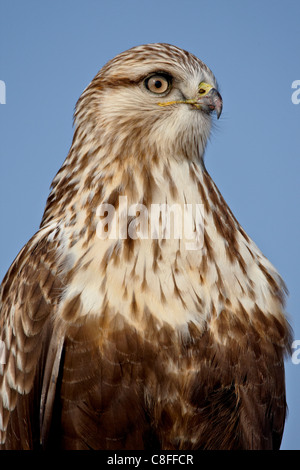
pixel 158 83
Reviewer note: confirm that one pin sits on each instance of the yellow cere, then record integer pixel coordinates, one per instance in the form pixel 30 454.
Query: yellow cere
pixel 204 88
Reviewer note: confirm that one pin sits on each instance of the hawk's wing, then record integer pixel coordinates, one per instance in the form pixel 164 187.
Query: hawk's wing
pixel 28 300
pixel 56 372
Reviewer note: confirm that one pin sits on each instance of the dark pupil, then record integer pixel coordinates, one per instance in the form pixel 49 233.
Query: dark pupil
pixel 157 84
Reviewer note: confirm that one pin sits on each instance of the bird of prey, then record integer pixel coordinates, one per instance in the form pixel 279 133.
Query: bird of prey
pixel 142 342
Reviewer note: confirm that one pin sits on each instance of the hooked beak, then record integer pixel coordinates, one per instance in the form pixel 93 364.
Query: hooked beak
pixel 209 99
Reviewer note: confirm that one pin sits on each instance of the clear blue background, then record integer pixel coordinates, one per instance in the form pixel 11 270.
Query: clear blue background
pixel 49 52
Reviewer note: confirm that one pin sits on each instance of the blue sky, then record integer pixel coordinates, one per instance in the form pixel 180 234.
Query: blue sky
pixel 49 52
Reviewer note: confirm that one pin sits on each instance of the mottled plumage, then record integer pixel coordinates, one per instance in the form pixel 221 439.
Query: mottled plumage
pixel 141 343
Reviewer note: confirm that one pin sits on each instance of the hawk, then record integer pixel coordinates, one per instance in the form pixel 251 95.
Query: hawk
pixel 139 342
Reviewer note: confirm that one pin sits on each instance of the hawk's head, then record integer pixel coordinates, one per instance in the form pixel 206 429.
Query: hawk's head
pixel 151 98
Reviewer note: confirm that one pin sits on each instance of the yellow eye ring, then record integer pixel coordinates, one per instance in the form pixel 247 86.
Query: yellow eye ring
pixel 158 83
